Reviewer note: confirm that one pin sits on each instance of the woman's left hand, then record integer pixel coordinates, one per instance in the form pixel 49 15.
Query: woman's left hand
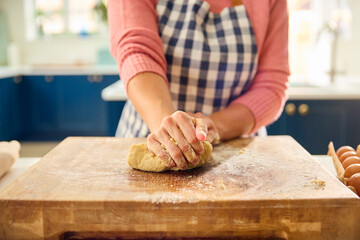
pixel 210 133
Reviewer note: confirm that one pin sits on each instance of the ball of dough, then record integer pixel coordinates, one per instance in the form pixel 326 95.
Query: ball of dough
pixel 141 158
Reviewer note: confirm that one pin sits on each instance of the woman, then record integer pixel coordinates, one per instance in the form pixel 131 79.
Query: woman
pixel 198 70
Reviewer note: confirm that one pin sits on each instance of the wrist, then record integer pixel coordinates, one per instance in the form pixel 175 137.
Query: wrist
pixel 216 119
pixel 154 123
pixel 233 121
pixel 151 98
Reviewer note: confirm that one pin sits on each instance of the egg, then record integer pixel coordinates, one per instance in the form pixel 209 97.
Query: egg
pixel 344 149
pixel 352 189
pixel 354 181
pixel 346 155
pixel 350 160
pixel 351 170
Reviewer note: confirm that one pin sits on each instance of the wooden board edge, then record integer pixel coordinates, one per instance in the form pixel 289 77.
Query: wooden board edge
pixel 276 218
pixel 352 200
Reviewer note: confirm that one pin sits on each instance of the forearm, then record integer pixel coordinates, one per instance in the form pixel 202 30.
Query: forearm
pixel 151 98
pixel 135 42
pixel 233 121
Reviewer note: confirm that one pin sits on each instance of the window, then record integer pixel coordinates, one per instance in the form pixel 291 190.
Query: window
pixel 316 29
pixel 66 17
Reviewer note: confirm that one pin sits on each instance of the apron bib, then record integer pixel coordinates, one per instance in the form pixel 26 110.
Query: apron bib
pixel 211 59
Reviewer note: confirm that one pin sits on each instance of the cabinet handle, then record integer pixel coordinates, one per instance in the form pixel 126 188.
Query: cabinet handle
pixel 290 109
pixel 95 78
pixel 17 79
pixel 99 79
pixel 49 79
pixel 304 109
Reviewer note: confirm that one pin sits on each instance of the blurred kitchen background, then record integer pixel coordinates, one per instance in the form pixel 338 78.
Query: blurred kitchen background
pixel 58 79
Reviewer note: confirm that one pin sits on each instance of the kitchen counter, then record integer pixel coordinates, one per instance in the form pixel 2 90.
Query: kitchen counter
pixel 22 164
pixel 116 92
pixel 6 72
pixel 324 93
pixel 19 167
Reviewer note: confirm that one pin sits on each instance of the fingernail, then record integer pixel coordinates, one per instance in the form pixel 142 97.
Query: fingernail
pixel 171 163
pixel 203 133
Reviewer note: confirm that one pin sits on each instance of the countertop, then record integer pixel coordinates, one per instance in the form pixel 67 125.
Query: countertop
pixel 22 164
pixel 6 72
pixel 324 93
pixel 116 92
pixel 347 88
pixel 19 167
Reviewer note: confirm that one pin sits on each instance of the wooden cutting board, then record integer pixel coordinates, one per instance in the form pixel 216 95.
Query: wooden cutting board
pixel 265 187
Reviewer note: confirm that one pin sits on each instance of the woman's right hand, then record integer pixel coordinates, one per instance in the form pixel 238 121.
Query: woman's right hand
pixel 176 141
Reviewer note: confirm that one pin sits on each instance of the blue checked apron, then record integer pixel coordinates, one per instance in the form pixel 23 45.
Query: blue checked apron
pixel 211 59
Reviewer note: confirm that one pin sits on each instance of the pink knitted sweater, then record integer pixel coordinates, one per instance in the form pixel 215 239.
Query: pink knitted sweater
pixel 137 47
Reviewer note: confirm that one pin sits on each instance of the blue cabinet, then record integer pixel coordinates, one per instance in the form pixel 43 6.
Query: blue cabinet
pixel 59 106
pixel 317 122
pixel 39 108
pixel 81 108
pixel 10 122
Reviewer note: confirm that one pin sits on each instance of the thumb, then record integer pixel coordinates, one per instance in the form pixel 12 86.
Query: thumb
pixel 201 129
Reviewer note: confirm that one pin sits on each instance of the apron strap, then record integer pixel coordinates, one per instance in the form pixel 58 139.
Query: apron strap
pixel 236 3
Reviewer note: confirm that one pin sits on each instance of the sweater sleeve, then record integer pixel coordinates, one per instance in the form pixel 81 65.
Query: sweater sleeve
pixel 135 43
pixel 268 92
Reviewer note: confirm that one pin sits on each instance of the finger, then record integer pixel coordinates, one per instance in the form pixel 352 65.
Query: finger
pixel 155 147
pixel 201 129
pixel 217 139
pixel 211 135
pixel 178 139
pixel 173 150
pixel 187 128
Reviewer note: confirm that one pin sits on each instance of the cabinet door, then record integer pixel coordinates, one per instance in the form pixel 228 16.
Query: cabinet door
pixel 282 126
pixel 353 128
pixel 113 108
pixel 81 108
pixel 39 108
pixel 286 124
pixel 325 121
pixel 315 123
pixel 54 107
pixel 9 109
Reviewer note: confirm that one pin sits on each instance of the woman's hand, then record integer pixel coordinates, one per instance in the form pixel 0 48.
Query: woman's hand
pixel 211 132
pixel 177 141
